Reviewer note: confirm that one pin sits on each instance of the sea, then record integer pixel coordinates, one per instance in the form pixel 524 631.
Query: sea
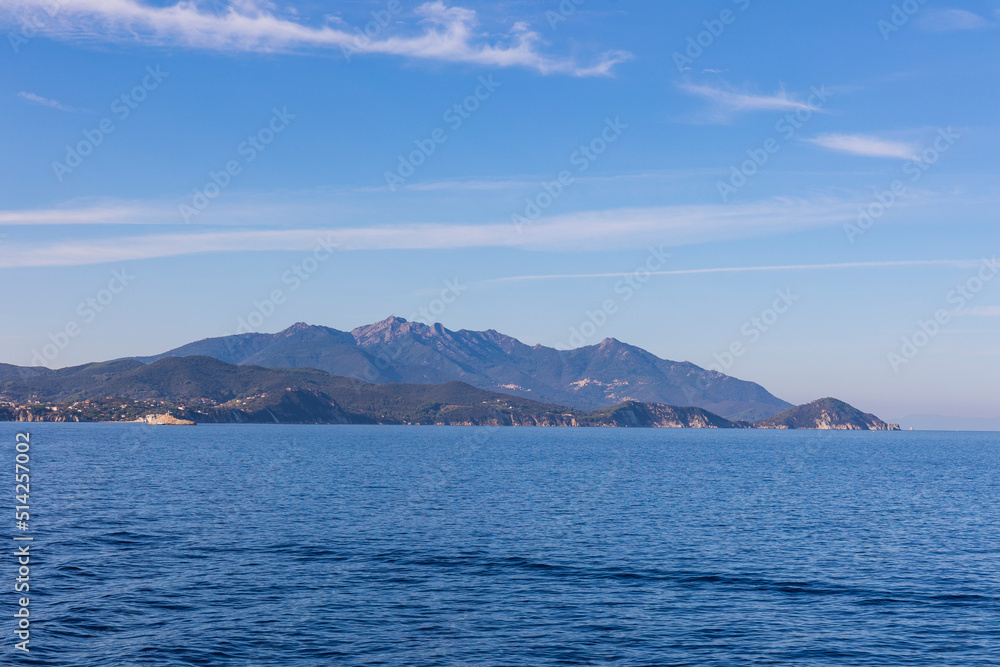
pixel 264 545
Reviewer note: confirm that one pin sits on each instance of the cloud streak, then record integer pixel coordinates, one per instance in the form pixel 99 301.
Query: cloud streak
pixel 945 263
pixel 44 101
pixel 734 100
pixel 953 20
pixel 446 34
pixel 978 311
pixel 581 231
pixel 110 214
pixel 866 145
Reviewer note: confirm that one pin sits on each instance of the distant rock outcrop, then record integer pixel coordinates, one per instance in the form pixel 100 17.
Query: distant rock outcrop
pixel 166 420
pixel 826 414
pixel 657 415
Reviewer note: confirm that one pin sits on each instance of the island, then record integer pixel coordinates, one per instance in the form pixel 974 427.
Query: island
pixel 198 389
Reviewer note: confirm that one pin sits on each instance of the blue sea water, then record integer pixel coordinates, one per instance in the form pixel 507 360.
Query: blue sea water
pixel 332 545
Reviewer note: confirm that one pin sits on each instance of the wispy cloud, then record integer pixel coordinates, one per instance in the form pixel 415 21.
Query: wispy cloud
pixel 98 230
pixel 448 34
pixel 99 214
pixel 866 145
pixel 979 311
pixel 582 231
pixel 44 101
pixel 952 20
pixel 944 263
pixel 731 99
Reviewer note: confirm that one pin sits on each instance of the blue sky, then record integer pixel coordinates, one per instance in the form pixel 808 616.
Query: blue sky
pixel 542 156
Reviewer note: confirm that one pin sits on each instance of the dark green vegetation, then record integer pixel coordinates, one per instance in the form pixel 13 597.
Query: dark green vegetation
pixel 588 378
pixel 208 390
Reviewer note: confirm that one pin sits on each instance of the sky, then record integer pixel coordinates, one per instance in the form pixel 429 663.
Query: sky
pixel 803 195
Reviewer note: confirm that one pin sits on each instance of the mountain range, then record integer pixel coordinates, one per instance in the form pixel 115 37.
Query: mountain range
pixel 201 389
pixel 588 378
pixel 399 372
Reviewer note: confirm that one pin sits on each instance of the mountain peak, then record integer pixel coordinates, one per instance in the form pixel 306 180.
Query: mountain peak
pixel 387 330
pixel 297 327
pixel 302 328
pixel 613 346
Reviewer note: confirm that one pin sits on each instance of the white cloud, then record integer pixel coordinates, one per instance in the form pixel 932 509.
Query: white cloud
pixel 109 251
pixel 44 101
pixel 99 214
pixel 979 311
pixel 952 20
pixel 449 34
pixel 947 263
pixel 869 146
pixel 95 231
pixel 585 231
pixel 734 100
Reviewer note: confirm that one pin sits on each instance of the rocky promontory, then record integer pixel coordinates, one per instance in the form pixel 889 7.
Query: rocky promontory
pixel 165 420
pixel 826 414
